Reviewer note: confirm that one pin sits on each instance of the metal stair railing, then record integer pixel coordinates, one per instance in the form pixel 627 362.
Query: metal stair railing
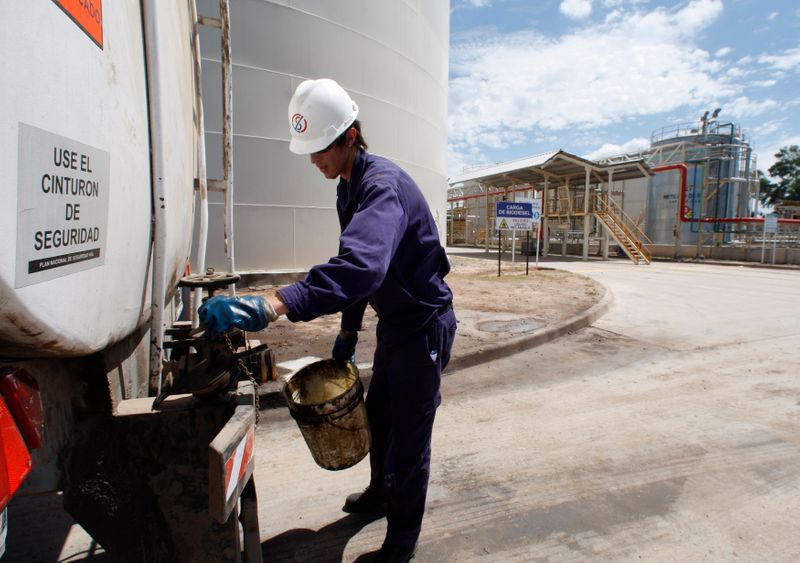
pixel 626 232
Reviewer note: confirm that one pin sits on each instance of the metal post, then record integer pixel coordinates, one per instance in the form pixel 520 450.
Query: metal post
pixel 250 527
pixel 700 214
pixel 679 214
pixel 586 216
pixel 608 196
pixel 486 218
pixel 513 231
pixel 774 244
pixel 499 250
pixel 528 253
pixel 513 246
pixel 538 234
pixel 453 221
pixel 545 220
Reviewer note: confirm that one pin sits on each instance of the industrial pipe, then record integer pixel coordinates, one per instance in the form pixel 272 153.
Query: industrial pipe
pixel 202 174
pixel 682 168
pixel 158 291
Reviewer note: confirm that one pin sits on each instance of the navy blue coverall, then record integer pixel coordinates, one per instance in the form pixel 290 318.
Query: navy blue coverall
pixel 390 257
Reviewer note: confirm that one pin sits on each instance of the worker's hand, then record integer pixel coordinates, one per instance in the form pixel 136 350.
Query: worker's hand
pixel 222 313
pixel 344 349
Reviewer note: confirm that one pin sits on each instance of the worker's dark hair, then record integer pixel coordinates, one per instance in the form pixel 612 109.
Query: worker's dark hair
pixel 360 142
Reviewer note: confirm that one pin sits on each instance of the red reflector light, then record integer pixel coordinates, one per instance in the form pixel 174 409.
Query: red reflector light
pixel 21 393
pixel 15 461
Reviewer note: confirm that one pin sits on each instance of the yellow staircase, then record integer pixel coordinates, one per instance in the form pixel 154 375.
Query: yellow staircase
pixel 626 232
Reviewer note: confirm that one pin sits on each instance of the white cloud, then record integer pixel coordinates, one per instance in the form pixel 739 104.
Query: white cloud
pixel 459 161
pixel 478 3
pixel 722 52
pixel 745 107
pixel 511 87
pixel 773 15
pixel 610 149
pixel 576 9
pixel 699 14
pixel 768 127
pixel 788 60
pixel 764 83
pixel 735 72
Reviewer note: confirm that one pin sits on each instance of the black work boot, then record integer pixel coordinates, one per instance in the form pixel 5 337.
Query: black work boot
pixel 370 501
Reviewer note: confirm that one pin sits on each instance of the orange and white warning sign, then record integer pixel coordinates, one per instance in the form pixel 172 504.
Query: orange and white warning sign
pixel 88 14
pixel 236 465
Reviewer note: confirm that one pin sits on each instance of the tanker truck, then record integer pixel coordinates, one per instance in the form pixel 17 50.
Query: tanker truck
pixel 109 391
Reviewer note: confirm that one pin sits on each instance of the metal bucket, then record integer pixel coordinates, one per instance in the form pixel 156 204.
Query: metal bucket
pixel 326 400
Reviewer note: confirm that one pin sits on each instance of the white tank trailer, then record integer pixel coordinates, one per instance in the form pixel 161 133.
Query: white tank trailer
pixel 80 136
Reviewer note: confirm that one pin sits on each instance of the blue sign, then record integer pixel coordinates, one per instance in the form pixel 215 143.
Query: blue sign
pixel 514 215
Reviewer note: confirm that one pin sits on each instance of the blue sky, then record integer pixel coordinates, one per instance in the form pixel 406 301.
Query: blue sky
pixel 597 77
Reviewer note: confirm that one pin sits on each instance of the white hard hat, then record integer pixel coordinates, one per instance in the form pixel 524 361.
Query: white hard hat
pixel 319 111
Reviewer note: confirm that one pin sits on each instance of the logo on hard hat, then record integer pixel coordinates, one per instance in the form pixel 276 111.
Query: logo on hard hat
pixel 299 123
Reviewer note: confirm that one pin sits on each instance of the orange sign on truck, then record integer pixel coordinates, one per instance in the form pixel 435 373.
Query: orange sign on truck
pixel 88 14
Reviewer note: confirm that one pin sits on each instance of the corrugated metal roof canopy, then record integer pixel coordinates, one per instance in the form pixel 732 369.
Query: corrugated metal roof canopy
pixel 557 166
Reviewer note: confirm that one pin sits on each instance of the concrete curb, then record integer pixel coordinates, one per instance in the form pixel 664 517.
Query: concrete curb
pixel 270 393
pixel 538 338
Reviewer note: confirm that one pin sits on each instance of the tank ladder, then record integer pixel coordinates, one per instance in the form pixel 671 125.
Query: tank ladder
pixel 223 185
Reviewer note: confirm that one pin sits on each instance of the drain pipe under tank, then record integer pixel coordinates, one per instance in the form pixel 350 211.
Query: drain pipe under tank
pixel 156 111
pixel 202 174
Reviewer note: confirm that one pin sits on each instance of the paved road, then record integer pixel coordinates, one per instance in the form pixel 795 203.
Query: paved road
pixel 668 430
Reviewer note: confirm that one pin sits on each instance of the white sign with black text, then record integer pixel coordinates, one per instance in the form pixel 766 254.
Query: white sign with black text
pixel 62 206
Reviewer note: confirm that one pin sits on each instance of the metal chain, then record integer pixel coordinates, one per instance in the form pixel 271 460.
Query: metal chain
pixel 245 371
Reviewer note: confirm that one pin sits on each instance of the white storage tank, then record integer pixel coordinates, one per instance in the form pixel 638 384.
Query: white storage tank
pixel 75 171
pixel 390 55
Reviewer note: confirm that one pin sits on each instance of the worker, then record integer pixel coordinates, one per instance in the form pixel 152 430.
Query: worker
pixel 390 257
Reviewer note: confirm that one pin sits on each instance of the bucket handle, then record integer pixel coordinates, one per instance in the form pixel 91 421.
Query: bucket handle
pixel 329 418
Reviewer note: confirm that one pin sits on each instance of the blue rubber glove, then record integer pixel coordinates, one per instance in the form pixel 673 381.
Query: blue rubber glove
pixel 222 313
pixel 344 348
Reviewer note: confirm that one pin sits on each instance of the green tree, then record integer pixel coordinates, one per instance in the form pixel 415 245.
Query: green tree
pixel 766 188
pixel 787 170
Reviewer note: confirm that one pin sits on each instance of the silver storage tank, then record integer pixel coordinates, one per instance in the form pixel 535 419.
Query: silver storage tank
pixel 390 55
pixel 662 210
pixel 718 162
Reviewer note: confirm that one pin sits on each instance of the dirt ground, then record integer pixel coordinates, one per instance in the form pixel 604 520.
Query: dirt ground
pixel 490 310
